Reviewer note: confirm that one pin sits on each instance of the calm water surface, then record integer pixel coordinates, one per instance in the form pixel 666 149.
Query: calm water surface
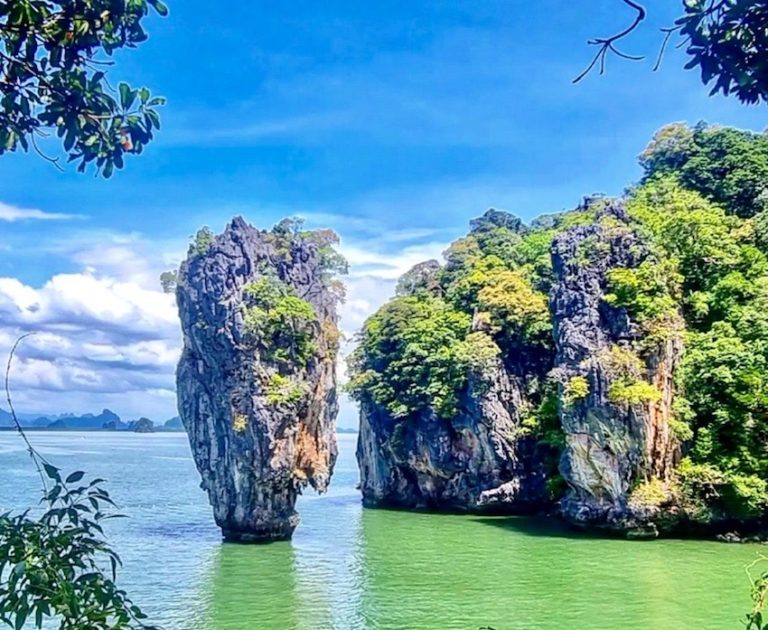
pixel 352 568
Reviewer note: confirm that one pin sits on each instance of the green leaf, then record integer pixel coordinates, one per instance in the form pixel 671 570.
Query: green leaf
pixel 160 7
pixel 127 96
pixel 54 493
pixel 75 477
pixel 21 618
pixel 52 472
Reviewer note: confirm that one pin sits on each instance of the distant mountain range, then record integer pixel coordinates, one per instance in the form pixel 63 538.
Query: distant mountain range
pixel 105 421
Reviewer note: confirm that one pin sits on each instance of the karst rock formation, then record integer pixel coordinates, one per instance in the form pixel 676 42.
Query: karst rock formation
pixel 256 381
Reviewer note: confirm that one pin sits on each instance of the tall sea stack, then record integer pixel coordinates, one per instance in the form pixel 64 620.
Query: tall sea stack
pixel 257 376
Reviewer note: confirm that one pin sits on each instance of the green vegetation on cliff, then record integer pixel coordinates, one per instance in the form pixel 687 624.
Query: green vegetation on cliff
pixel 280 320
pixel 449 325
pixel 703 208
pixel 412 356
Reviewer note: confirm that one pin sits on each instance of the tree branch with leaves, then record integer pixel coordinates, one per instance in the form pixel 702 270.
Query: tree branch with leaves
pixel 727 40
pixel 54 58
pixel 59 565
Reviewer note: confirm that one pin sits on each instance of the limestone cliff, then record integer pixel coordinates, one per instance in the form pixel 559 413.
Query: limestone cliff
pixel 475 456
pixel 616 375
pixel 475 461
pixel 574 335
pixel 257 379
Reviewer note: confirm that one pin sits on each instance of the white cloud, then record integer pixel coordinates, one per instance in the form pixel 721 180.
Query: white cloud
pixel 364 260
pixel 79 300
pixel 12 213
pixel 98 342
pixel 106 336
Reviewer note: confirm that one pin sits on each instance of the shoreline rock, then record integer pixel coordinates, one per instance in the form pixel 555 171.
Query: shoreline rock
pixel 474 462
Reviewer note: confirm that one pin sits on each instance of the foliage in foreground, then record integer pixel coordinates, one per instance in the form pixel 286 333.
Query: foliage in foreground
pixel 755 618
pixel 53 566
pixel 58 567
pixel 724 39
pixel 54 57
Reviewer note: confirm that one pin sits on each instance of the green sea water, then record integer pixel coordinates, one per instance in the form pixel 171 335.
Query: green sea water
pixel 352 568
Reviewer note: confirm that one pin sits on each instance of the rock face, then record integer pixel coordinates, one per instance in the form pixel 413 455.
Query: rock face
pixel 473 462
pixel 617 379
pixel 257 380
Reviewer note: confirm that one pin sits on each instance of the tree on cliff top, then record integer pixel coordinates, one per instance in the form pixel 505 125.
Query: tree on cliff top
pixel 54 55
pixel 727 166
pixel 725 39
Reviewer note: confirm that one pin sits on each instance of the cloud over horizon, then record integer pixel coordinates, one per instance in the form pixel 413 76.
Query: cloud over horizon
pixel 106 336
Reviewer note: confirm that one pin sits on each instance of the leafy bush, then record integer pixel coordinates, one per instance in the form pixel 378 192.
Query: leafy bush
pixel 727 166
pixel 649 493
pixel 331 261
pixel 517 310
pixel 479 353
pixel 202 241
pixel 575 389
pixel 629 392
pixel 650 293
pixel 411 357
pixel 709 491
pixel 281 390
pixel 280 321
pixel 239 423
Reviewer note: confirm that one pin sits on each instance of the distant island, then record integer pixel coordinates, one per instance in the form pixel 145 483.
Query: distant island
pixel 107 420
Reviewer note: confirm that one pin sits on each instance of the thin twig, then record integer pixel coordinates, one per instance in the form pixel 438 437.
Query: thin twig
pixel 36 457
pixel 667 34
pixel 607 44
pixel 48 158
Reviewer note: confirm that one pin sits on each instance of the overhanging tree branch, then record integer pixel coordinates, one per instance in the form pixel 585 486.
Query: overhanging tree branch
pixel 724 39
pixel 608 44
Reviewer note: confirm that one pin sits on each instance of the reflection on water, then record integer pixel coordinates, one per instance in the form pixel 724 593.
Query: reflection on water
pixel 349 568
pixel 245 586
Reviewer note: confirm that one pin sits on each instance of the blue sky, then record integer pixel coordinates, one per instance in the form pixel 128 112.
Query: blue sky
pixel 392 122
